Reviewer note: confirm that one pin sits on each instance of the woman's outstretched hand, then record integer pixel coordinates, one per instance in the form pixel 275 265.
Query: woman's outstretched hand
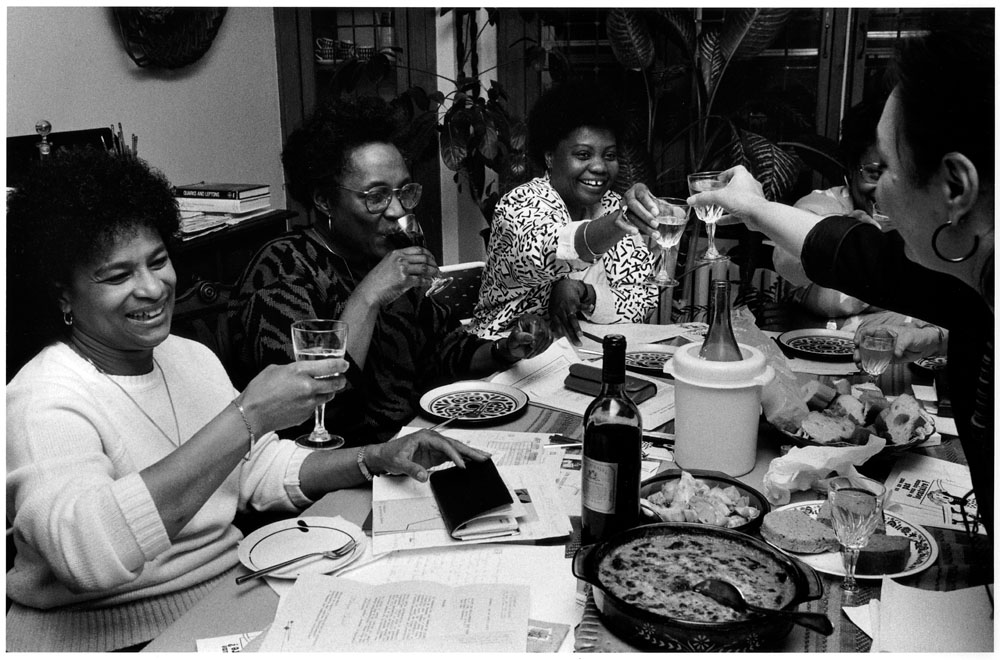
pixel 414 453
pixel 286 395
pixel 740 197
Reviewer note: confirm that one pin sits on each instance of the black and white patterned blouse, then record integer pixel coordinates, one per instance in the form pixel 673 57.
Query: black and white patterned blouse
pixel 524 260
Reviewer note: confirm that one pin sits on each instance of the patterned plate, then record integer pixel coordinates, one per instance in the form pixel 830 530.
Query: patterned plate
pixel 923 548
pixel 936 363
pixel 819 344
pixel 474 402
pixel 648 358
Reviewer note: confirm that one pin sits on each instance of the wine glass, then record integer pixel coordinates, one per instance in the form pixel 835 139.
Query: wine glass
pixel 876 348
pixel 671 217
pixel 709 214
pixel 409 226
pixel 856 512
pixel 319 339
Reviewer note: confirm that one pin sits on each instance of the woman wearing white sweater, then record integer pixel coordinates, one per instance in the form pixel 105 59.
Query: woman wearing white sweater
pixel 129 452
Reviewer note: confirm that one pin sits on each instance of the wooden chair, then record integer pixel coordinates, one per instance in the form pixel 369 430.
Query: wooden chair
pixel 200 313
pixel 463 293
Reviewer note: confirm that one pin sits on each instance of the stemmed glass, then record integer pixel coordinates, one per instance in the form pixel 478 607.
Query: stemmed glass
pixel 414 233
pixel 672 215
pixel 319 339
pixel 876 348
pixel 710 213
pixel 856 512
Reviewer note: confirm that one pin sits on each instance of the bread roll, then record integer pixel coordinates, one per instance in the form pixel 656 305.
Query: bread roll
pixel 824 429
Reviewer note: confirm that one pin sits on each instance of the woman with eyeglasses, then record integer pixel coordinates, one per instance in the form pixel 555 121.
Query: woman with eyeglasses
pixel 345 164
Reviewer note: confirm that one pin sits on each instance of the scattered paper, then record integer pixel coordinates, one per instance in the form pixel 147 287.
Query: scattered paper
pixel 641 333
pixel 926 491
pixel 542 376
pixel 918 620
pixel 225 643
pixel 323 613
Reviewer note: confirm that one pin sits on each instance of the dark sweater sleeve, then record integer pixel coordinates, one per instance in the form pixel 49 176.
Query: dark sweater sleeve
pixel 856 258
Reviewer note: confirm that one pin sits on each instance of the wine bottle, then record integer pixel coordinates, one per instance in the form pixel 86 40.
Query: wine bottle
pixel 720 342
pixel 612 452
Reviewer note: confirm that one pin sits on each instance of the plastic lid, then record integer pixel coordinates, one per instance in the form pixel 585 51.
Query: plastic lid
pixel 690 368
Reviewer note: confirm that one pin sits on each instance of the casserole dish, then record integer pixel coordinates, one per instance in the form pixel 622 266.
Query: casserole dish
pixel 712 479
pixel 647 629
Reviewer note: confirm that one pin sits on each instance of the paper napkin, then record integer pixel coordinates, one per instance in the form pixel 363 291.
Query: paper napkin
pixel 918 620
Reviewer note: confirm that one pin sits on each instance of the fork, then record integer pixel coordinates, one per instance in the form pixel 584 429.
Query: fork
pixel 337 553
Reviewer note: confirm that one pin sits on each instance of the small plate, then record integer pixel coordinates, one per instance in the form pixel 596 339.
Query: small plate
pixel 819 344
pixel 712 479
pixel 474 402
pixel 286 539
pixel 936 363
pixel 648 358
pixel 923 548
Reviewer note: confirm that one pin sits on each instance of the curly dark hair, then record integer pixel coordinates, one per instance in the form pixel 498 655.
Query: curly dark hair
pixel 68 211
pixel 316 154
pixel 564 108
pixel 946 87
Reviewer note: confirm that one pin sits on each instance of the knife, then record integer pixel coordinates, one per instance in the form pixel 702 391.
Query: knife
pixel 943 389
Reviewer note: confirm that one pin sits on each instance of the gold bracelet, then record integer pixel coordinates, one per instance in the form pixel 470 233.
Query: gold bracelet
pixel 365 472
pixel 586 243
pixel 246 422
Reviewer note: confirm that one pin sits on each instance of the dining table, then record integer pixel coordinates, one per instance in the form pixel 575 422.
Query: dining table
pixel 231 609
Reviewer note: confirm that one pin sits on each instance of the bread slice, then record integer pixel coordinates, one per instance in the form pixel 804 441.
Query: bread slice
pixel 795 531
pixel 901 419
pixel 824 429
pixel 884 554
pixel 850 407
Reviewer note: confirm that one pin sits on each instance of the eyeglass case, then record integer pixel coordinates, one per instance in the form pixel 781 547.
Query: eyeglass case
pixel 586 378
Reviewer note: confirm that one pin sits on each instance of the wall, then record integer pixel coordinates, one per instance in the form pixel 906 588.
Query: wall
pixel 216 119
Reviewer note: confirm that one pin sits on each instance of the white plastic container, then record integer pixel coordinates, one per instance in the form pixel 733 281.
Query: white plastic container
pixel 717 408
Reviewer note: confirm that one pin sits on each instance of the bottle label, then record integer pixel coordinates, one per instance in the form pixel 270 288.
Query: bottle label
pixel 599 485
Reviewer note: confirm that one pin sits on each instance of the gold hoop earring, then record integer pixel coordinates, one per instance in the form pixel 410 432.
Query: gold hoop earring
pixel 951 260
pixel 68 318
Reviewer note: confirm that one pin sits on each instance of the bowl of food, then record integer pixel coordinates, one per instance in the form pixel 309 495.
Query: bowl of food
pixel 702 496
pixel 642 581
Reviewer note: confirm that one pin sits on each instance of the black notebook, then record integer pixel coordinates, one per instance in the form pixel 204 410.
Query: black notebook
pixel 475 503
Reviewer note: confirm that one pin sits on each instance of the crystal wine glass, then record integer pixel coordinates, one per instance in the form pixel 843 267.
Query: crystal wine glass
pixel 319 339
pixel 709 214
pixel 876 348
pixel 409 226
pixel 856 512
pixel 671 218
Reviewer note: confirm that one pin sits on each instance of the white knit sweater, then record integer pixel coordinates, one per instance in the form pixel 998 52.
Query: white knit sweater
pixel 87 531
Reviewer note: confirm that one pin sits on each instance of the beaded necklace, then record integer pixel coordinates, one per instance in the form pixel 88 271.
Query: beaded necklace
pixel 152 421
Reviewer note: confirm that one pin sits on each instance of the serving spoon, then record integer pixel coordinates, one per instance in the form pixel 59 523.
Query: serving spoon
pixel 729 595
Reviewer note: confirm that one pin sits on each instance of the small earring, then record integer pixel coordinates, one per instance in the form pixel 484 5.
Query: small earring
pixel 68 318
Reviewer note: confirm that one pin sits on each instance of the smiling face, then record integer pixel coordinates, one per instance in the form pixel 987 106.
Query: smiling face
pixel 915 210
pixel 122 303
pixel 862 192
pixel 582 168
pixel 360 236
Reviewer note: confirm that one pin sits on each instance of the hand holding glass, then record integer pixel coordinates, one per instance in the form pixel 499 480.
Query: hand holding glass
pixel 319 339
pixel 856 513
pixel 709 214
pixel 876 349
pixel 409 226
pixel 671 217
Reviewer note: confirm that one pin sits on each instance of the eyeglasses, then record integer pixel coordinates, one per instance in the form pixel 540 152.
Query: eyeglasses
pixel 871 172
pixel 377 199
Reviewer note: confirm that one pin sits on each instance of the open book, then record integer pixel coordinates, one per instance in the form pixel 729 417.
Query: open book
pixel 475 503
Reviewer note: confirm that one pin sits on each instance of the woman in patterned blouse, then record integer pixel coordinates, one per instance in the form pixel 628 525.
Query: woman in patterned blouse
pixel 559 245
pixel 349 266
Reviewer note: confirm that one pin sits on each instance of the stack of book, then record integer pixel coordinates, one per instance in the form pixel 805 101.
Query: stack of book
pixel 206 207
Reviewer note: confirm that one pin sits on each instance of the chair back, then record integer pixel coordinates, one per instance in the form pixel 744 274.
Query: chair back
pixel 200 313
pixel 463 293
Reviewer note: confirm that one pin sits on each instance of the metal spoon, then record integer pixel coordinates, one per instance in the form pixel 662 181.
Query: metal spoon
pixel 729 595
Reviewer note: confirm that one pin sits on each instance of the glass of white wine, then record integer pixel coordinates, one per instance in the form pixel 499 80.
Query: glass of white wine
pixel 876 349
pixel 319 339
pixel 856 512
pixel 413 233
pixel 710 213
pixel 672 216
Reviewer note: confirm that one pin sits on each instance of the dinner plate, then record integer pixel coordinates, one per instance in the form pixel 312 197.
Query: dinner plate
pixel 923 548
pixel 819 344
pixel 936 363
pixel 648 358
pixel 287 539
pixel 474 402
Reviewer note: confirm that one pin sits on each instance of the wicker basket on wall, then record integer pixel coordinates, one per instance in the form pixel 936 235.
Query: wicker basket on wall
pixel 168 37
